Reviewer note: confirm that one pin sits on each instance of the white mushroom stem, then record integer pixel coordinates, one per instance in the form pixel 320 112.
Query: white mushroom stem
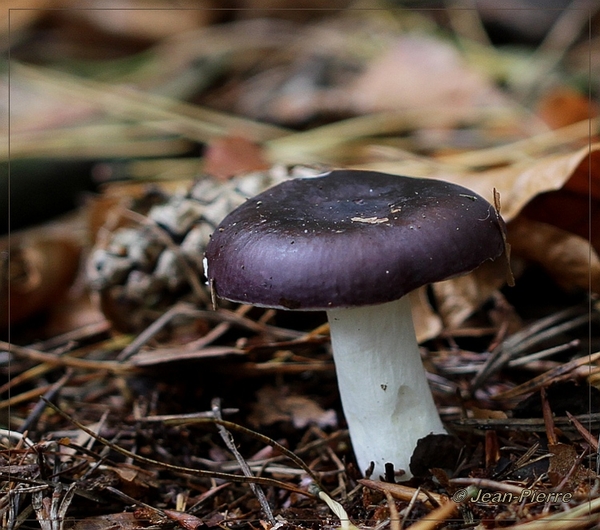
pixel 384 390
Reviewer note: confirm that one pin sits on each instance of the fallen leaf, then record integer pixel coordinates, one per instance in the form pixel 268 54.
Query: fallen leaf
pixel 566 257
pixel 546 203
pixel 427 322
pixel 563 106
pixel 518 184
pixel 457 298
pixel 420 72
pixel 185 520
pixel 113 521
pixel 275 405
pixel 229 156
pixel 563 463
pixel 35 272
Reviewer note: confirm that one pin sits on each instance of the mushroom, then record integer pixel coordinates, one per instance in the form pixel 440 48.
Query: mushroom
pixel 354 244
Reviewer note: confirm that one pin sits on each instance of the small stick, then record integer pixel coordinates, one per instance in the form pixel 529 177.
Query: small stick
pixel 394 515
pixel 585 434
pixel 228 439
pixel 41 405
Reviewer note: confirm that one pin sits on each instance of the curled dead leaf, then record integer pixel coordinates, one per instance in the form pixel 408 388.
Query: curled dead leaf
pixel 567 257
pixel 459 297
pixel 185 520
pixel 427 322
pixel 34 274
pixel 518 184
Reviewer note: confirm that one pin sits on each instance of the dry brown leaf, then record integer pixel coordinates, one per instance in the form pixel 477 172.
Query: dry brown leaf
pixel 275 405
pixel 35 273
pixel 420 72
pixel 518 184
pixel 563 106
pixel 564 464
pixel 459 297
pixel 576 206
pixel 568 258
pixel 113 521
pixel 546 203
pixel 229 156
pixel 427 322
pixel 185 520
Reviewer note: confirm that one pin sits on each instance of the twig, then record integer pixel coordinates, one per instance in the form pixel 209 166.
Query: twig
pixel 585 434
pixel 401 492
pixel 488 484
pixel 544 353
pixel 410 506
pixel 228 439
pixel 41 405
pixel 394 515
pixel 151 331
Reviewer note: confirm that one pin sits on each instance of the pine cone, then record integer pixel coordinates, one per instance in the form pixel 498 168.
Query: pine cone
pixel 141 269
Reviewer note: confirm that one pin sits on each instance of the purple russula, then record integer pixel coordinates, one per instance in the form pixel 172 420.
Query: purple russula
pixel 354 244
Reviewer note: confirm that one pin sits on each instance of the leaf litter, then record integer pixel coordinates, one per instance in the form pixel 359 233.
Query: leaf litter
pixel 110 419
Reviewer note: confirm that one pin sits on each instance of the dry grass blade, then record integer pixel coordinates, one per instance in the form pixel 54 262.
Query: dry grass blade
pixel 436 517
pixel 514 346
pixel 67 360
pixel 578 517
pixel 165 114
pixel 394 515
pixel 316 145
pixel 528 424
pixel 336 508
pixel 522 149
pixel 544 379
pixel 98 141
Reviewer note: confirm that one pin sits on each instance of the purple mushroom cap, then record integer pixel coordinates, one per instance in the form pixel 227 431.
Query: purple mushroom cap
pixel 350 238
